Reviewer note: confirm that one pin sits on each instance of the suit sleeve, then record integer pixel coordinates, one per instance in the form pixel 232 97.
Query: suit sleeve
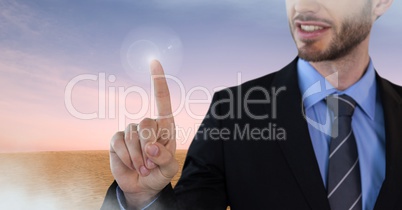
pixel 202 183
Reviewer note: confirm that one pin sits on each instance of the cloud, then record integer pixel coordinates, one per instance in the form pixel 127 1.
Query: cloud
pixel 18 19
pixel 32 99
pixel 27 73
pixel 48 31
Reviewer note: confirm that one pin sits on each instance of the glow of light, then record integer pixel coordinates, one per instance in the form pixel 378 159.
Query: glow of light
pixel 145 44
pixel 151 58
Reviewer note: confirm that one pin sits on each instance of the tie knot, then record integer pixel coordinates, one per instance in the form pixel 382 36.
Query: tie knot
pixel 341 105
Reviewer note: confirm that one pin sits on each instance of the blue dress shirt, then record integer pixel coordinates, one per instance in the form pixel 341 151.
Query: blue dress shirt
pixel 367 125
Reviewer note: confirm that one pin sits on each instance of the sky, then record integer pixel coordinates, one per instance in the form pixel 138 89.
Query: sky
pixel 75 72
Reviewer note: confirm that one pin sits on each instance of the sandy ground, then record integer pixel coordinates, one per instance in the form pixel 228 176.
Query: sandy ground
pixel 57 180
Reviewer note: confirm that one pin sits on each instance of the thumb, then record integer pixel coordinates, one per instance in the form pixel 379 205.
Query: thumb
pixel 162 157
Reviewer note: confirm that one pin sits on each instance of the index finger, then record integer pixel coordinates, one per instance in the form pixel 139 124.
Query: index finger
pixel 161 90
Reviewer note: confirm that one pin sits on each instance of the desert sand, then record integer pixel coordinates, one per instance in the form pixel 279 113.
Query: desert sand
pixel 57 180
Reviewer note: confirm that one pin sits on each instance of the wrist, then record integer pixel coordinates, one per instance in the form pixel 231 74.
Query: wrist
pixel 139 200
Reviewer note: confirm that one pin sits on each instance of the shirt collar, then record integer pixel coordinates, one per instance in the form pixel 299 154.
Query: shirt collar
pixel 315 87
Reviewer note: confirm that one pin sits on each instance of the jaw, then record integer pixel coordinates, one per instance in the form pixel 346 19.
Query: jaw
pixel 313 46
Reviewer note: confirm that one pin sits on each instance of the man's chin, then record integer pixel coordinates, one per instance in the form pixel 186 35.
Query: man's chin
pixel 312 57
pixel 310 53
pixel 320 56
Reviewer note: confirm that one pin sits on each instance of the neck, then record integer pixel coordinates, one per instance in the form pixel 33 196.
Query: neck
pixel 346 71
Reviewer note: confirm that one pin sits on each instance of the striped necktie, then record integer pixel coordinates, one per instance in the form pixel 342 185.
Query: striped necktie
pixel 344 183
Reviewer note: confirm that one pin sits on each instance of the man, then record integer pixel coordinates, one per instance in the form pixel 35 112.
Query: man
pixel 333 140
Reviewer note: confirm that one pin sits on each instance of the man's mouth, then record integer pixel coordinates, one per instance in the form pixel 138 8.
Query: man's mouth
pixel 310 28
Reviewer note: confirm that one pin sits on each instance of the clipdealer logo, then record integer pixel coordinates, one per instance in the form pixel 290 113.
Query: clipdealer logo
pixel 321 86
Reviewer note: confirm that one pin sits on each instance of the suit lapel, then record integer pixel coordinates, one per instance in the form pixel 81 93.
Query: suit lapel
pixel 391 189
pixel 299 152
pixel 297 148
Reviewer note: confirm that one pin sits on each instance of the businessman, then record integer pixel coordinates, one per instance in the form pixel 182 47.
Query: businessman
pixel 322 133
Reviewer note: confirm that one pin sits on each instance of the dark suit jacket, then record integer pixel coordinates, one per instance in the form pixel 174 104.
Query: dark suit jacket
pixel 270 173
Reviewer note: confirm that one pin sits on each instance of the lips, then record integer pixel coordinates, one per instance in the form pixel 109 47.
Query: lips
pixel 310 30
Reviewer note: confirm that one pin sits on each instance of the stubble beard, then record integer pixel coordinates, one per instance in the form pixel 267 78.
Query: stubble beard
pixel 353 31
